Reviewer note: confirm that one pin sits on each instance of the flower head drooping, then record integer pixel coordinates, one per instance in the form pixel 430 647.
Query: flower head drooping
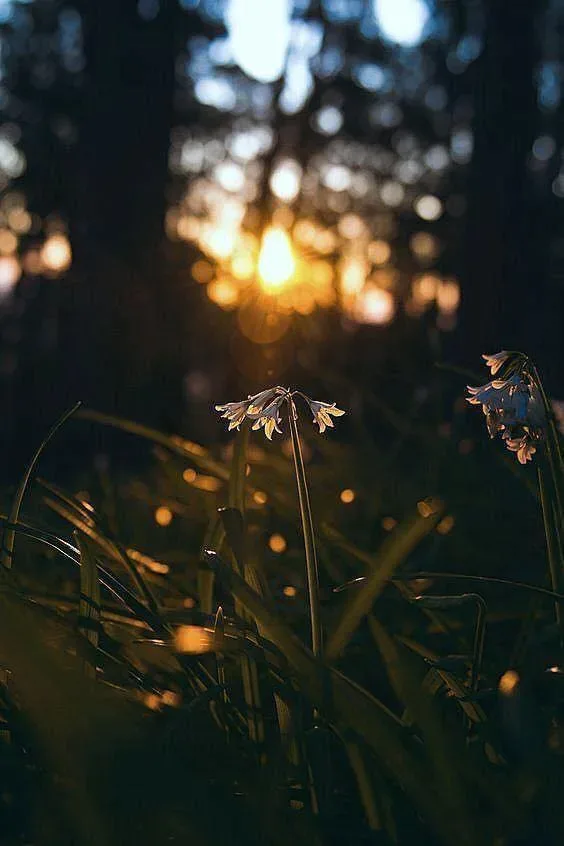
pixel 252 407
pixel 512 406
pixel 270 417
pixel 322 412
pixel 264 410
pixel 496 361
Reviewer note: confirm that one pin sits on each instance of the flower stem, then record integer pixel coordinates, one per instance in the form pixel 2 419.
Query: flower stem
pixel 553 550
pixel 307 529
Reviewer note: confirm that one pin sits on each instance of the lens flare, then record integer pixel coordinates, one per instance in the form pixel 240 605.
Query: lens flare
pixel 276 262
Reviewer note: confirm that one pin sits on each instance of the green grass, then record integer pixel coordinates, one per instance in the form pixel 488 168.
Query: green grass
pixel 400 732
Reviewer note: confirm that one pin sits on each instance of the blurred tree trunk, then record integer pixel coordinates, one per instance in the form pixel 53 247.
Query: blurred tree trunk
pixel 505 267
pixel 117 311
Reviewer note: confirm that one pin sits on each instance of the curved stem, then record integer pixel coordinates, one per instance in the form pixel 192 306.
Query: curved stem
pixel 428 574
pixel 307 529
pixel 9 536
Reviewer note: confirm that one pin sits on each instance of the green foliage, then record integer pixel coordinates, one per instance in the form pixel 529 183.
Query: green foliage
pixel 165 688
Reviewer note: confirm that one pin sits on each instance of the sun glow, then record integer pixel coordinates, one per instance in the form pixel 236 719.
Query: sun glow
pixel 276 262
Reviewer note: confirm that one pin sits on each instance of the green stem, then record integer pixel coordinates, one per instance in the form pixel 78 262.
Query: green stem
pixel 307 529
pixel 479 638
pixel 554 455
pixel 554 564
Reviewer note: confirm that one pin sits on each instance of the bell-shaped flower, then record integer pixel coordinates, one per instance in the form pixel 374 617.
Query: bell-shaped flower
pixel 264 410
pixel 512 406
pixel 322 412
pixel 496 361
pixel 270 418
pixel 252 407
pixel 524 447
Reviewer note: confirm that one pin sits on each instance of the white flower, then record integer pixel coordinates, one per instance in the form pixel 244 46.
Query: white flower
pixel 264 410
pixel 321 413
pixel 512 406
pixel 270 418
pixel 496 361
pixel 252 407
pixel 522 446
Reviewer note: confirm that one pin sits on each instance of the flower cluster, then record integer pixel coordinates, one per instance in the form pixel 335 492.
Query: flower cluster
pixel 264 410
pixel 512 406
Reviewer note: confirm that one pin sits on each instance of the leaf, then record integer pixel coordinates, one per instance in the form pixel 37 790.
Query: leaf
pixel 352 708
pixel 89 608
pixel 382 567
pixel 445 750
pixel 233 524
pixel 87 522
pixel 9 535
pixel 238 474
pixel 186 449
pixel 357 761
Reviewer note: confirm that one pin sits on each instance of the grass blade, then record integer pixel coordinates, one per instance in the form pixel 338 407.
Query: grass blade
pixel 444 749
pixel 352 708
pixel 9 535
pixel 89 608
pixel 186 449
pixel 87 523
pixel 382 567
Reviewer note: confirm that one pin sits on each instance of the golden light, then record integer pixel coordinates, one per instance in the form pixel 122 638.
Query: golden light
pixel 425 288
pixel 353 275
pixel 189 475
pixel 351 226
pixel 276 262
pixel 10 272
pixel 289 591
pixel 260 498
pixel 188 602
pixel 206 483
pixel 194 640
pixel 242 265
pixel 446 524
pixel 8 242
pixel 374 305
pixel 428 506
pixel 429 207
pixel 347 496
pixel 286 180
pixel 325 241
pixel 152 701
pixel 163 516
pixel 202 271
pixel 304 232
pixel 283 216
pixel 147 562
pixel 218 241
pixel 448 296
pixel 56 253
pixel 188 228
pixel 277 543
pixel 171 698
pixel 424 245
pixel 509 682
pixel 19 220
pixel 379 252
pixel 32 263
pixel 223 292
pixel 389 523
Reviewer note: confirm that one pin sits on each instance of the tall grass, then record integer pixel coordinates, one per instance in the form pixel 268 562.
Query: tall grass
pixel 153 697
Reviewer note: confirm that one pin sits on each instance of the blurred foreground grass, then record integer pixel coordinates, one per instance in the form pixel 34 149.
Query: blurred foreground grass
pixel 156 679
